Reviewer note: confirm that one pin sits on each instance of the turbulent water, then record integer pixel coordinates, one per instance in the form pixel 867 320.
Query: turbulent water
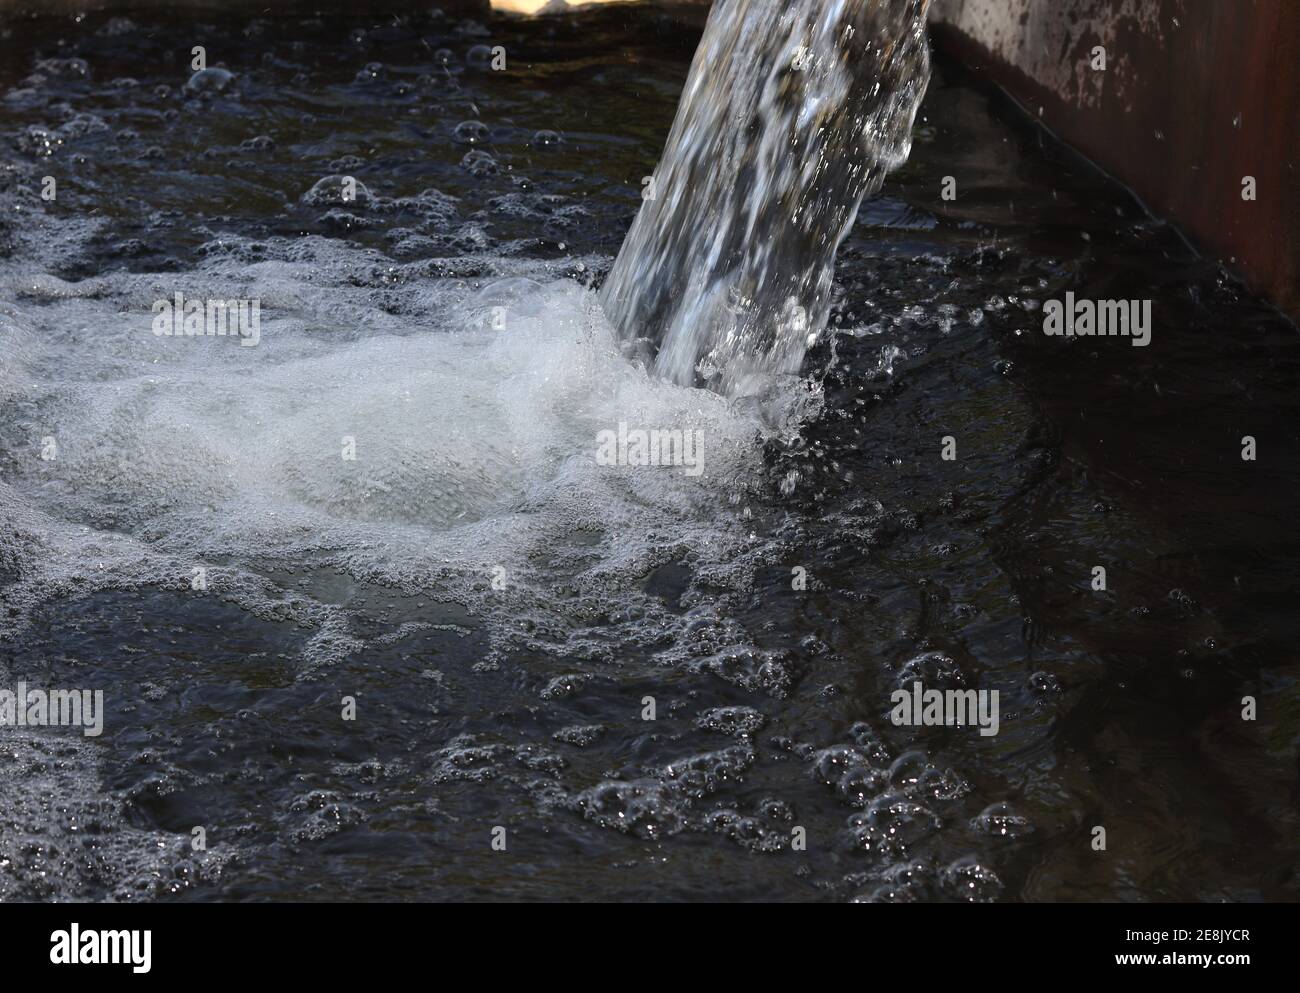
pixel 792 113
pixel 394 497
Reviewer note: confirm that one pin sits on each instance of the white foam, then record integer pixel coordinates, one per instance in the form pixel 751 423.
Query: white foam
pixel 475 445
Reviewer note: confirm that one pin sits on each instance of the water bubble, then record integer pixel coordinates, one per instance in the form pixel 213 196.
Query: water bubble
pixel 869 743
pixel 64 68
pixel 933 670
pixel 39 141
pixel 739 722
pixel 471 29
pixel 117 26
pixel 337 189
pixel 479 163
pixel 968 879
pixel 645 808
pixel 904 882
pixel 564 686
pixel 471 132
pixel 324 813
pixel 372 72
pixel 546 139
pixel 907 769
pixel 860 784
pixel 937 784
pixel 478 56
pixel 81 125
pixel 700 775
pixel 1000 820
pixel 748 832
pixel 209 82
pixel 891 824
pixel 1045 682
pixel 538 760
pixel 831 764
pixel 444 57
pixel 464 761
pixel 581 736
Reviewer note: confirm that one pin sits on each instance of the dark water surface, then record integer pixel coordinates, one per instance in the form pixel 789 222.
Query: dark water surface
pixel 1119 708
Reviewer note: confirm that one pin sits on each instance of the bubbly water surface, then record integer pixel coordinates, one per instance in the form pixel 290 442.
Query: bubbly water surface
pixel 499 606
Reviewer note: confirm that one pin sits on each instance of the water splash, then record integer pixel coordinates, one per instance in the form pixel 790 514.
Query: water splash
pixel 792 114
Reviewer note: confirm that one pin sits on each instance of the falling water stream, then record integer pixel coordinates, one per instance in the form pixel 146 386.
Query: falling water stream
pixel 362 592
pixel 792 113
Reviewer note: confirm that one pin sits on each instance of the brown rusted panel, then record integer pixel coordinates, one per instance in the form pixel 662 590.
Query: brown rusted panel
pixel 1197 94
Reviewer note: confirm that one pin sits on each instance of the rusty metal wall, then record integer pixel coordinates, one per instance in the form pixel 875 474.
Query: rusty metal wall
pixel 1197 94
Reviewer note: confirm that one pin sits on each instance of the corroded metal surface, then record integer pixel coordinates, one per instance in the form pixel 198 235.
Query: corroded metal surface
pixel 1196 96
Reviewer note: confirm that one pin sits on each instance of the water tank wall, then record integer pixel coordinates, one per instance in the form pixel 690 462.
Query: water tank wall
pixel 1196 96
